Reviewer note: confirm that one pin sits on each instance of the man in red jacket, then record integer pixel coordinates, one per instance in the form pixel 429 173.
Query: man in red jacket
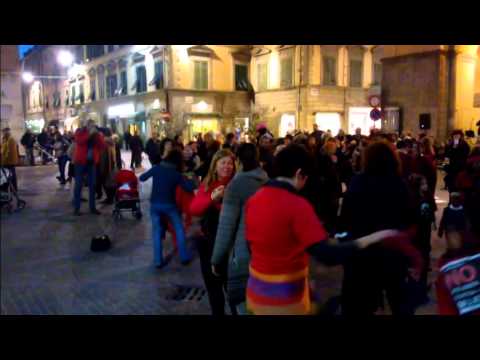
pixel 89 144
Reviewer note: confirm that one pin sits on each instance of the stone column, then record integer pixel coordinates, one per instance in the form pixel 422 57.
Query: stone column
pixel 342 66
pixel 367 76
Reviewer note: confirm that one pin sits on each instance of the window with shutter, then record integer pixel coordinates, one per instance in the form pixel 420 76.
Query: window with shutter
pixel 262 76
pixel 101 85
pixel 355 73
pixel 79 55
pixel 329 71
pixel 241 77
pixel 123 82
pixel 72 99
pixel 201 75
pixel 110 48
pixel 93 86
pixel 82 94
pixel 111 85
pixel 158 78
pixel 286 72
pixel 141 79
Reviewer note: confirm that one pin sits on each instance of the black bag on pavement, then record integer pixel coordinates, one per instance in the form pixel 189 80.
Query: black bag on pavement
pixel 100 243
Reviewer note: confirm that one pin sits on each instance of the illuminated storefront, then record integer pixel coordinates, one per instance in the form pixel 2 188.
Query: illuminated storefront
pixel 287 125
pixel 35 125
pixel 328 121
pixel 359 117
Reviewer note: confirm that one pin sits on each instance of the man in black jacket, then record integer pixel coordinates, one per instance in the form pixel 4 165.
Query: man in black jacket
pixel 136 145
pixel 153 149
pixel 28 139
pixel 44 141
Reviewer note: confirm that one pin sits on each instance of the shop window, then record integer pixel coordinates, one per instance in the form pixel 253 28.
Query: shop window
pixel 287 124
pixel 241 77
pixel 328 122
pixel 141 82
pixel 262 76
pixel 329 71
pixel 200 75
pixel 111 85
pixel 286 72
pixel 355 73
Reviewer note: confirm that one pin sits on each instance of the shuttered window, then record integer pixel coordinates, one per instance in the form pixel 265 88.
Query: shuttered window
pixel 123 82
pixel 93 89
pixel 241 77
pixel 200 75
pixel 158 77
pixel 262 76
pixel 141 79
pixel 286 72
pixel 329 70
pixel 355 73
pixel 72 98
pixel 111 85
pixel 82 94
pixel 101 85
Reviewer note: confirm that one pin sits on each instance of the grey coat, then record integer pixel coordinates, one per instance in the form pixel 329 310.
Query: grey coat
pixel 230 240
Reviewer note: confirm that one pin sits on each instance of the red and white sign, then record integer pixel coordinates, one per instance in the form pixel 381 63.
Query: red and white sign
pixel 374 101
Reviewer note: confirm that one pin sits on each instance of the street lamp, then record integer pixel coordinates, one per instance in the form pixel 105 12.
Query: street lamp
pixel 27 77
pixel 65 58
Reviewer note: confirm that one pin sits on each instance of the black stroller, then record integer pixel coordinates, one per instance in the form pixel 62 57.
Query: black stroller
pixel 8 192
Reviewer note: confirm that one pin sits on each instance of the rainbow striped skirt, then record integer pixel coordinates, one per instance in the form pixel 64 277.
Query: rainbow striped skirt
pixel 284 294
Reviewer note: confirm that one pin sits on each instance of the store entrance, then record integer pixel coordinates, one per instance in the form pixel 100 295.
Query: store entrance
pixel 201 126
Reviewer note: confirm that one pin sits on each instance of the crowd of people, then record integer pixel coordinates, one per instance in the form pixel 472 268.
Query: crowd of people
pixel 366 202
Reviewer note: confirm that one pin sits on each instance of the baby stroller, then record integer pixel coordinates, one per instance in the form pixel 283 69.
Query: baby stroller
pixel 126 194
pixel 8 192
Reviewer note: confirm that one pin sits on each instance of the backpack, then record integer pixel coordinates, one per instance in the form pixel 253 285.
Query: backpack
pixel 100 243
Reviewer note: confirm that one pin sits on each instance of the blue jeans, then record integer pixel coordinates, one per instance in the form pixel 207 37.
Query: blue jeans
pixel 173 215
pixel 62 162
pixel 80 171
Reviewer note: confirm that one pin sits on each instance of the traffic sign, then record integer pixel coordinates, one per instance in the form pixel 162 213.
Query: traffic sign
pixel 375 114
pixel 374 101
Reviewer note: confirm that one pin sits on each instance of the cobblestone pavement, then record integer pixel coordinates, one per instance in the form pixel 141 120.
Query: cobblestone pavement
pixel 48 268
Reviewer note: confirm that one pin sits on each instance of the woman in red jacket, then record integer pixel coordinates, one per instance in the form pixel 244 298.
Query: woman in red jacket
pixel 207 204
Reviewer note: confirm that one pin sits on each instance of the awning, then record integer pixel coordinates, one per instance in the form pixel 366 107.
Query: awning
pixel 204 115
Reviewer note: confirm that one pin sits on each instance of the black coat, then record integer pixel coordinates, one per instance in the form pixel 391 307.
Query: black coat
pixel 136 144
pixel 153 151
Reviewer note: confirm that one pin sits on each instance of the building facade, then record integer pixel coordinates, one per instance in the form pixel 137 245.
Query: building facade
pixel 436 87
pixel 299 85
pixel 11 97
pixel 172 89
pixel 45 101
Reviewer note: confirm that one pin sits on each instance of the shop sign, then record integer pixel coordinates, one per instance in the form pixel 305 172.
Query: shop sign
pixel 188 99
pixel 462 279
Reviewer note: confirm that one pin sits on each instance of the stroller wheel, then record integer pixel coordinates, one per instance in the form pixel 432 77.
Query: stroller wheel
pixel 138 215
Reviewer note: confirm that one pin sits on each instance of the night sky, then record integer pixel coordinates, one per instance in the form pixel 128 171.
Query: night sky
pixel 23 48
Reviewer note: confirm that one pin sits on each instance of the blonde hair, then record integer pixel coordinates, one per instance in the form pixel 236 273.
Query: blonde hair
pixel 212 171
